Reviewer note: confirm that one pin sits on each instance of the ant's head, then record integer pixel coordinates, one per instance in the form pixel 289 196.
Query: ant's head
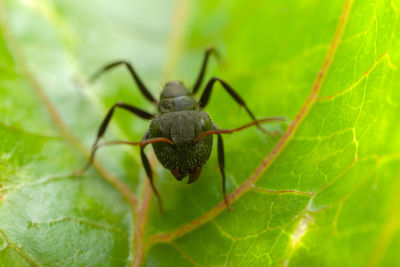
pixel 176 97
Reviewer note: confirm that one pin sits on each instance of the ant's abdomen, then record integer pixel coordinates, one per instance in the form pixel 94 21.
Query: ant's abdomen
pixel 182 127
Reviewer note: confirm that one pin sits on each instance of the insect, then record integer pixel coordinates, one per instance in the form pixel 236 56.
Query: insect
pixel 181 132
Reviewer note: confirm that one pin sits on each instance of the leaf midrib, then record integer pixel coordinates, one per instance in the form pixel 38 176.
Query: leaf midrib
pixel 279 147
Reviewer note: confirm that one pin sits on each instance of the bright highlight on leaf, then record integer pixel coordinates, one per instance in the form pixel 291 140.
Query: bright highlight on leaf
pixel 301 230
pixel 324 193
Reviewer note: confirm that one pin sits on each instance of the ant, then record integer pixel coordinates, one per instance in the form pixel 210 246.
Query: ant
pixel 181 132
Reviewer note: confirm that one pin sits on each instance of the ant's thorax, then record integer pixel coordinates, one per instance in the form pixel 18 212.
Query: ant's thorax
pixel 176 97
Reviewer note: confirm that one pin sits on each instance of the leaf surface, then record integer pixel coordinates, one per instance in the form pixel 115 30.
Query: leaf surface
pixel 324 193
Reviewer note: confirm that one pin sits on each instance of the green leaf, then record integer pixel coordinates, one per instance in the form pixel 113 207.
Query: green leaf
pixel 324 193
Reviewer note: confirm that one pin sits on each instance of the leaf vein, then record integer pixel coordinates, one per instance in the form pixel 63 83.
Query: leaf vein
pixel 19 250
pixel 70 137
pixel 79 221
pixel 216 210
pixel 353 85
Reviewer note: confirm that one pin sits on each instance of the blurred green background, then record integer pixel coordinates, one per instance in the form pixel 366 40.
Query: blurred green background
pixel 324 193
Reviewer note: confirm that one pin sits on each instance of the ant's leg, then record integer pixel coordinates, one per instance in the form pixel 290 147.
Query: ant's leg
pixel 229 131
pixel 199 80
pixel 221 154
pixel 141 113
pixel 137 111
pixel 145 161
pixel 205 97
pixel 135 77
pixel 149 173
pixel 221 163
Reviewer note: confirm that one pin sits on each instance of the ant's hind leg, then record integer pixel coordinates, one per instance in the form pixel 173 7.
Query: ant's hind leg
pixel 149 172
pixel 139 112
pixel 221 163
pixel 143 89
pixel 205 97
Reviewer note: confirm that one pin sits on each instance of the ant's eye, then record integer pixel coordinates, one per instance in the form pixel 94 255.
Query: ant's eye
pixel 203 124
